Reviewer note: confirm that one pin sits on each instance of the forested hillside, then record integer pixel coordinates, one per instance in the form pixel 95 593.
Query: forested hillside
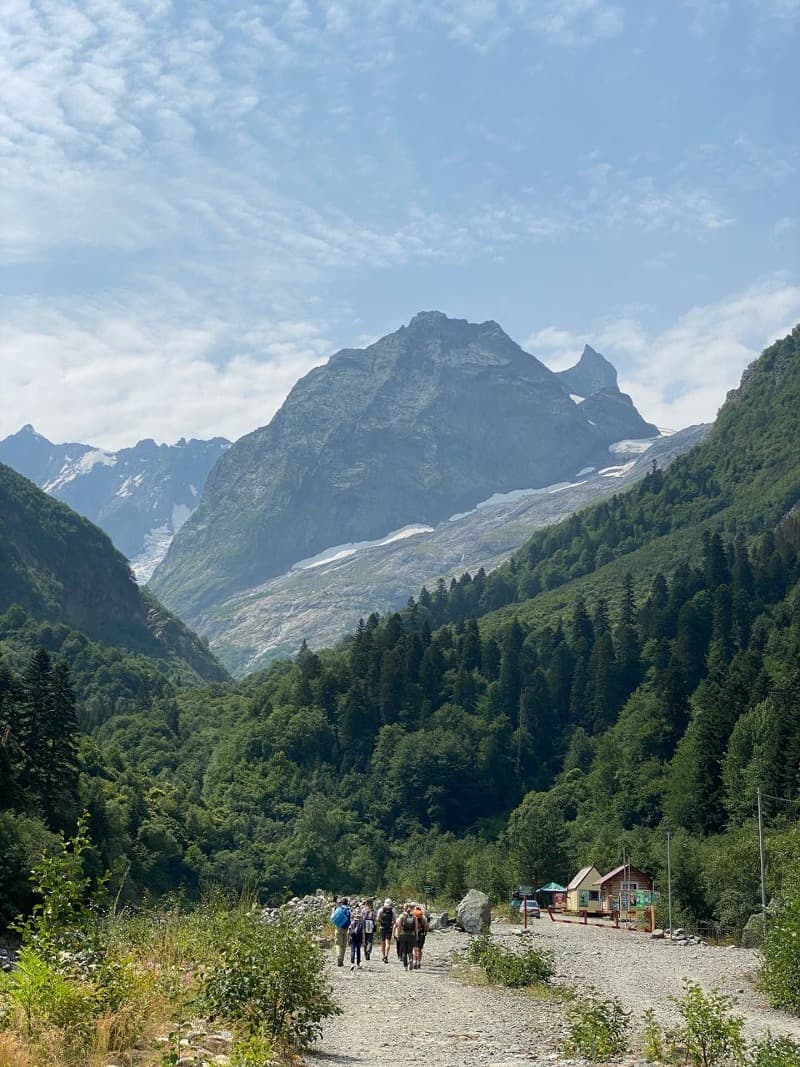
pixel 642 672
pixel 61 569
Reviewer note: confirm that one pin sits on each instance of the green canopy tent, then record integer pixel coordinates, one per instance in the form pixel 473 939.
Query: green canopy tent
pixel 552 895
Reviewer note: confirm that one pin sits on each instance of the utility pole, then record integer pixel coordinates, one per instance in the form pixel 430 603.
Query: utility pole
pixel 761 860
pixel 669 887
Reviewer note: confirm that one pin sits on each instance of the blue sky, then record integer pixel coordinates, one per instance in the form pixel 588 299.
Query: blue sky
pixel 200 201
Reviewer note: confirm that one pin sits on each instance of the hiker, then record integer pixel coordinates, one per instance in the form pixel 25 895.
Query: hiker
pixel 385 919
pixel 340 917
pixel 368 918
pixel 422 930
pixel 355 935
pixel 406 929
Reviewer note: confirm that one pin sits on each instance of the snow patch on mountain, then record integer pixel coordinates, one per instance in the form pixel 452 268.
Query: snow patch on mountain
pixel 632 447
pixel 340 552
pixel 83 465
pixel 156 543
pixel 618 472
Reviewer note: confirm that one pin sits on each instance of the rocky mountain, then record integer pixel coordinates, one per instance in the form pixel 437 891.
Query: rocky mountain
pixel 591 374
pixel 321 599
pixel 423 424
pixel 59 568
pixel 140 496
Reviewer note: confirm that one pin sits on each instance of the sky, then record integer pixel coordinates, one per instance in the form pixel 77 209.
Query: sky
pixel 200 201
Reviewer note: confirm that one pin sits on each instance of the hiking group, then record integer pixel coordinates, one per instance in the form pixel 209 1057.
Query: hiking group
pixel 357 926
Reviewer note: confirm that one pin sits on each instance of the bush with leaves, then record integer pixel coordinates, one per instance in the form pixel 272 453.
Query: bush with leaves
pixel 780 973
pixel 269 979
pixel 710 1034
pixel 598 1027
pixel 255 1050
pixel 774 1052
pixel 515 969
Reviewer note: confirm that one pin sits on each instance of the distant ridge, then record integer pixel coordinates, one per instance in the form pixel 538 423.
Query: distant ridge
pixel 140 495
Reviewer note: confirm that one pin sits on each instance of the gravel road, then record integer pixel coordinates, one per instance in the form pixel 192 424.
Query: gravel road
pixel 432 1016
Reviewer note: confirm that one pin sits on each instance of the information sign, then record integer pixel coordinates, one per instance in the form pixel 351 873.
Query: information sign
pixel 525 890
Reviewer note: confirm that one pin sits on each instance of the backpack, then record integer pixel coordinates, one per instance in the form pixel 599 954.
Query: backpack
pixel 356 930
pixel 408 924
pixel 386 916
pixel 341 917
pixel 369 922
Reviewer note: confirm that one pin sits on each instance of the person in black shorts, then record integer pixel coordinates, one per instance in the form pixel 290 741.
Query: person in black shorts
pixel 385 920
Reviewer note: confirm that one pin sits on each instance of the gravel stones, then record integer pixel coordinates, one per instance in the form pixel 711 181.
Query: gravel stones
pixel 315 906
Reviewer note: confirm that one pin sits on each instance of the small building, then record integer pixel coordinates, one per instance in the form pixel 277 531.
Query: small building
pixel 624 890
pixel 552 896
pixel 583 893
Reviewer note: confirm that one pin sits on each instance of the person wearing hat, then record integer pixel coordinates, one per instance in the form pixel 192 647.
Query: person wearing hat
pixel 385 920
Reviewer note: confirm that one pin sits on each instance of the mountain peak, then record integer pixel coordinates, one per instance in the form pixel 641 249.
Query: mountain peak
pixel 591 374
pixel 428 318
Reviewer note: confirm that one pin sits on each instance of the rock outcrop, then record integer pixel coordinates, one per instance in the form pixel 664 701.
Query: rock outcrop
pixel 474 913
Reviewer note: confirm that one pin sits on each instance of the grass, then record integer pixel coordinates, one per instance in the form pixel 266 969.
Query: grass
pixel 162 962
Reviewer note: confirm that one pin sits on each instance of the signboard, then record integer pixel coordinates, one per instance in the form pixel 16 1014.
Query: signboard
pixel 525 890
pixel 427 889
pixel 643 898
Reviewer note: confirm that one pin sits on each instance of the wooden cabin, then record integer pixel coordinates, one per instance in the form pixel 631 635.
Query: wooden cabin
pixel 624 890
pixel 583 893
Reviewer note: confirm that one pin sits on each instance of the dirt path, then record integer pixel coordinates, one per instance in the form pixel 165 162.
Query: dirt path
pixel 392 1016
pixel 431 1016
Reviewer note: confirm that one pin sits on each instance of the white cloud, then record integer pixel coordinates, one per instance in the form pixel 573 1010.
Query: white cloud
pixel 680 375
pixel 111 379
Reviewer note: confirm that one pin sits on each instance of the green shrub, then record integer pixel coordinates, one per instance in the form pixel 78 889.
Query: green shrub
pixel 253 1051
pixel 780 973
pixel 46 999
pixel 774 1052
pixel 270 978
pixel 653 1039
pixel 598 1027
pixel 710 1034
pixel 526 967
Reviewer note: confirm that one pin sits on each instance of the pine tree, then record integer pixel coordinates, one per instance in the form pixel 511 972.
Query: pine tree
pixel 60 771
pixel 510 676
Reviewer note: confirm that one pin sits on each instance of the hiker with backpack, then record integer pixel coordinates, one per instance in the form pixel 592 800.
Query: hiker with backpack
pixel 422 930
pixel 368 918
pixel 340 917
pixel 407 931
pixel 355 935
pixel 385 920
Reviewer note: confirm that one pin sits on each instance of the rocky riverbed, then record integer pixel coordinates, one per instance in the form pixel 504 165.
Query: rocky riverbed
pixel 437 1017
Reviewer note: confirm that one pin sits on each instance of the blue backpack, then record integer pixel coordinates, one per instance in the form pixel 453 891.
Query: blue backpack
pixel 341 917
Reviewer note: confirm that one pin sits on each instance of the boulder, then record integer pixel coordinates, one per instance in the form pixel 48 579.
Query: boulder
pixel 753 933
pixel 440 922
pixel 474 914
